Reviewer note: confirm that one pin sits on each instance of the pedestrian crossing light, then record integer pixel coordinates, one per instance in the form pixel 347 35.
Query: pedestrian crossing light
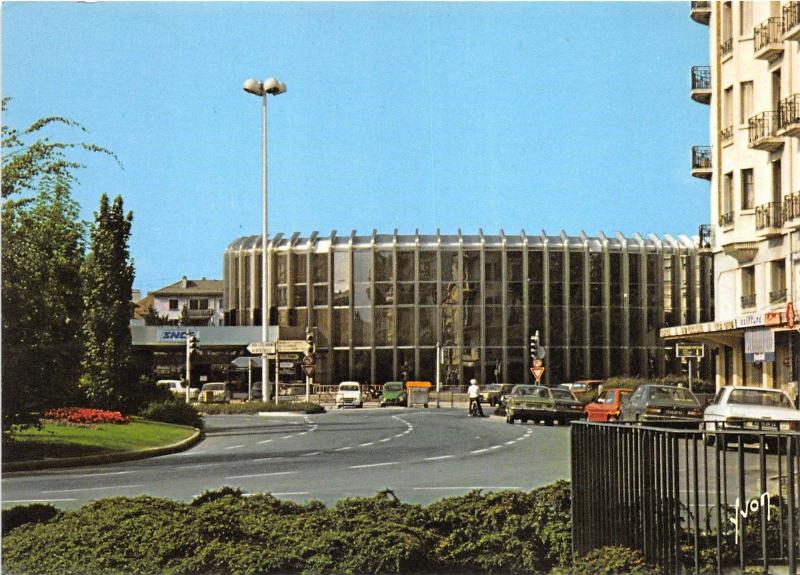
pixel 191 345
pixel 312 344
pixel 535 345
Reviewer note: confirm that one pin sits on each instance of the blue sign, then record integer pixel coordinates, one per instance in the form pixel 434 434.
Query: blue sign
pixel 174 334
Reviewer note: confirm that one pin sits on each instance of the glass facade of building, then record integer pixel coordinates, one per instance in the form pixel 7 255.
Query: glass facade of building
pixel 381 303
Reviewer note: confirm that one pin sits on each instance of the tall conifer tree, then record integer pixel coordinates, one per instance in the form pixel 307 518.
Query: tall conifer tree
pixel 108 379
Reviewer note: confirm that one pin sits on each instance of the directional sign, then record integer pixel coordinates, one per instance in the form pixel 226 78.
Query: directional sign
pixel 262 348
pixel 292 346
pixel 537 372
pixel 689 350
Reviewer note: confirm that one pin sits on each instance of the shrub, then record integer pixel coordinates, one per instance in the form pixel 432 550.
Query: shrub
pixel 214 495
pixel 177 412
pixel 611 560
pixel 84 415
pixel 27 514
pixel 257 406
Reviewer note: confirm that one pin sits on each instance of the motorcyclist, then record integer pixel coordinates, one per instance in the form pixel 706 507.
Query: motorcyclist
pixel 474 394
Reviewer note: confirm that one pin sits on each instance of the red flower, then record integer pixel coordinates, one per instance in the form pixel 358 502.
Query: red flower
pixel 85 415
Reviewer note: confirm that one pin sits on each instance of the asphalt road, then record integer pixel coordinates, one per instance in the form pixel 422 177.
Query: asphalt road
pixel 420 454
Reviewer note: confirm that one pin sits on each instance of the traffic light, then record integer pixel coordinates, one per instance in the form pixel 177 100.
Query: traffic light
pixel 535 345
pixel 191 345
pixel 312 344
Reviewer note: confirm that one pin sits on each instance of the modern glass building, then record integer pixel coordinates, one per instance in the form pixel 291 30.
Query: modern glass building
pixel 381 303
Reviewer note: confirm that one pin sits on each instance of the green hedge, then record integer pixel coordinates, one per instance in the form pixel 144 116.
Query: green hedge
pixel 257 406
pixel 171 411
pixel 225 532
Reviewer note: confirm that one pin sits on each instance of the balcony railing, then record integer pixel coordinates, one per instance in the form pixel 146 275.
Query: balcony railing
pixel 726 219
pixel 726 48
pixel 701 84
pixel 704 234
pixel 789 116
pixel 777 296
pixel 791 207
pixel 700 12
pixel 768 38
pixel 701 162
pixel 749 301
pixel 726 135
pixel 791 21
pixel 768 216
pixel 763 131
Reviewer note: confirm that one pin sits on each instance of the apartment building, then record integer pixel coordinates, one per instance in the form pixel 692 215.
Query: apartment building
pixel 751 86
pixel 380 303
pixel 199 302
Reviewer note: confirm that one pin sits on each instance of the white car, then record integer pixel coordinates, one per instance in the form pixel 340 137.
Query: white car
pixel 176 387
pixel 349 393
pixel 751 408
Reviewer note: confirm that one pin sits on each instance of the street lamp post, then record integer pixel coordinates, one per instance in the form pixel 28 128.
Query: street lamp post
pixel 274 87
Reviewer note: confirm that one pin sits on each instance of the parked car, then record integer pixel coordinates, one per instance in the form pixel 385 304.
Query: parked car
pixel 176 387
pixel 751 407
pixel 215 392
pixel 394 393
pixel 652 402
pixel 492 393
pixel 537 403
pixel 349 393
pixel 607 405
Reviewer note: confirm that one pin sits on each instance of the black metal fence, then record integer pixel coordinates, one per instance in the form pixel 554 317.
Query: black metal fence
pixel 708 500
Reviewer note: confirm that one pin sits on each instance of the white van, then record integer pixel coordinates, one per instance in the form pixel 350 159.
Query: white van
pixel 175 386
pixel 349 394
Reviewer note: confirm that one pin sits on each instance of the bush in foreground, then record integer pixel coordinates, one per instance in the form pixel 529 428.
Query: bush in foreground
pixel 170 411
pixel 225 532
pixel 611 560
pixel 27 515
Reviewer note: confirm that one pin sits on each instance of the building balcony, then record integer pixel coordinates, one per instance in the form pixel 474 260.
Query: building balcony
pixel 701 162
pixel 201 313
pixel 791 210
pixel 791 21
pixel 789 116
pixel 749 301
pixel 701 84
pixel 726 48
pixel 763 131
pixel 769 219
pixel 700 12
pixel 726 219
pixel 726 135
pixel 777 296
pixel 768 39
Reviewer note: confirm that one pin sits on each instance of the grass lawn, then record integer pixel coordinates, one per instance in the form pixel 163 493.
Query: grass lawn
pixel 59 441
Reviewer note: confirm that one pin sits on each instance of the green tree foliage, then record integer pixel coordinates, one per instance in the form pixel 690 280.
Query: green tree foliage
pixel 108 378
pixel 41 295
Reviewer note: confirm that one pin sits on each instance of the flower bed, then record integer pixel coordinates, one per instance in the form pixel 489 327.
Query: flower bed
pixel 84 415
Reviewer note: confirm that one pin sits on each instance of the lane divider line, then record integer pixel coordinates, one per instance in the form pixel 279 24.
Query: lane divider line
pixel 373 465
pixel 234 446
pixel 468 487
pixel 91 489
pixel 286 493
pixel 265 441
pixel 385 440
pixel 310 454
pixel 35 500
pixel 343 448
pixel 262 474
pixel 439 457
pixel 367 443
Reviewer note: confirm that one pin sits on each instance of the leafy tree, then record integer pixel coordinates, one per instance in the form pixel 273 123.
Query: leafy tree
pixel 151 317
pixel 108 375
pixel 41 294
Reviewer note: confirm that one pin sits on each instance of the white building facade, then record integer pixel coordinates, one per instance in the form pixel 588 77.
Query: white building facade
pixel 202 299
pixel 752 89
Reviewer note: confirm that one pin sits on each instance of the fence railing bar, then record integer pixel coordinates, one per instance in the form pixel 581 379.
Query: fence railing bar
pixel 762 460
pixel 792 455
pixel 717 451
pixel 741 520
pixel 696 481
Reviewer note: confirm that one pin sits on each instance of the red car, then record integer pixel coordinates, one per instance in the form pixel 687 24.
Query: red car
pixel 606 406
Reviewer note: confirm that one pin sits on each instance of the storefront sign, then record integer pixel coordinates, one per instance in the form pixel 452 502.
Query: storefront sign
pixel 773 318
pixel 174 334
pixel 750 320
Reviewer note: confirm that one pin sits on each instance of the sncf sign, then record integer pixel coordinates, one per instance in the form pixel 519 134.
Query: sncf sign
pixel 174 334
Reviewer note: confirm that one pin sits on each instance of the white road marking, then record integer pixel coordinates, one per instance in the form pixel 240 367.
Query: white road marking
pixel 495 447
pixel 302 433
pixel 310 454
pixel 367 443
pixel 343 448
pixel 291 493
pixel 92 488
pixel 400 435
pixel 234 446
pixel 35 500
pixel 511 442
pixel 373 465
pixel 97 474
pixel 262 474
pixel 267 459
pixel 385 440
pixel 439 457
pixel 287 436
pixel 480 450
pixel 265 441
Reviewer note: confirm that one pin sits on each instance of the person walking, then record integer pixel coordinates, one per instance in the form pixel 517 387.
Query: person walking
pixel 474 394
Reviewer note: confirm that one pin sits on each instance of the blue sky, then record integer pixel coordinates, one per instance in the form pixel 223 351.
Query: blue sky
pixel 552 116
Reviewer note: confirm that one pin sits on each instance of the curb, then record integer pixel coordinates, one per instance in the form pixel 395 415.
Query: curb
pixel 183 445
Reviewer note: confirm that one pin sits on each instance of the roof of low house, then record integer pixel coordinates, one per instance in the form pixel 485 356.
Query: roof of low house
pixel 140 307
pixel 187 287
